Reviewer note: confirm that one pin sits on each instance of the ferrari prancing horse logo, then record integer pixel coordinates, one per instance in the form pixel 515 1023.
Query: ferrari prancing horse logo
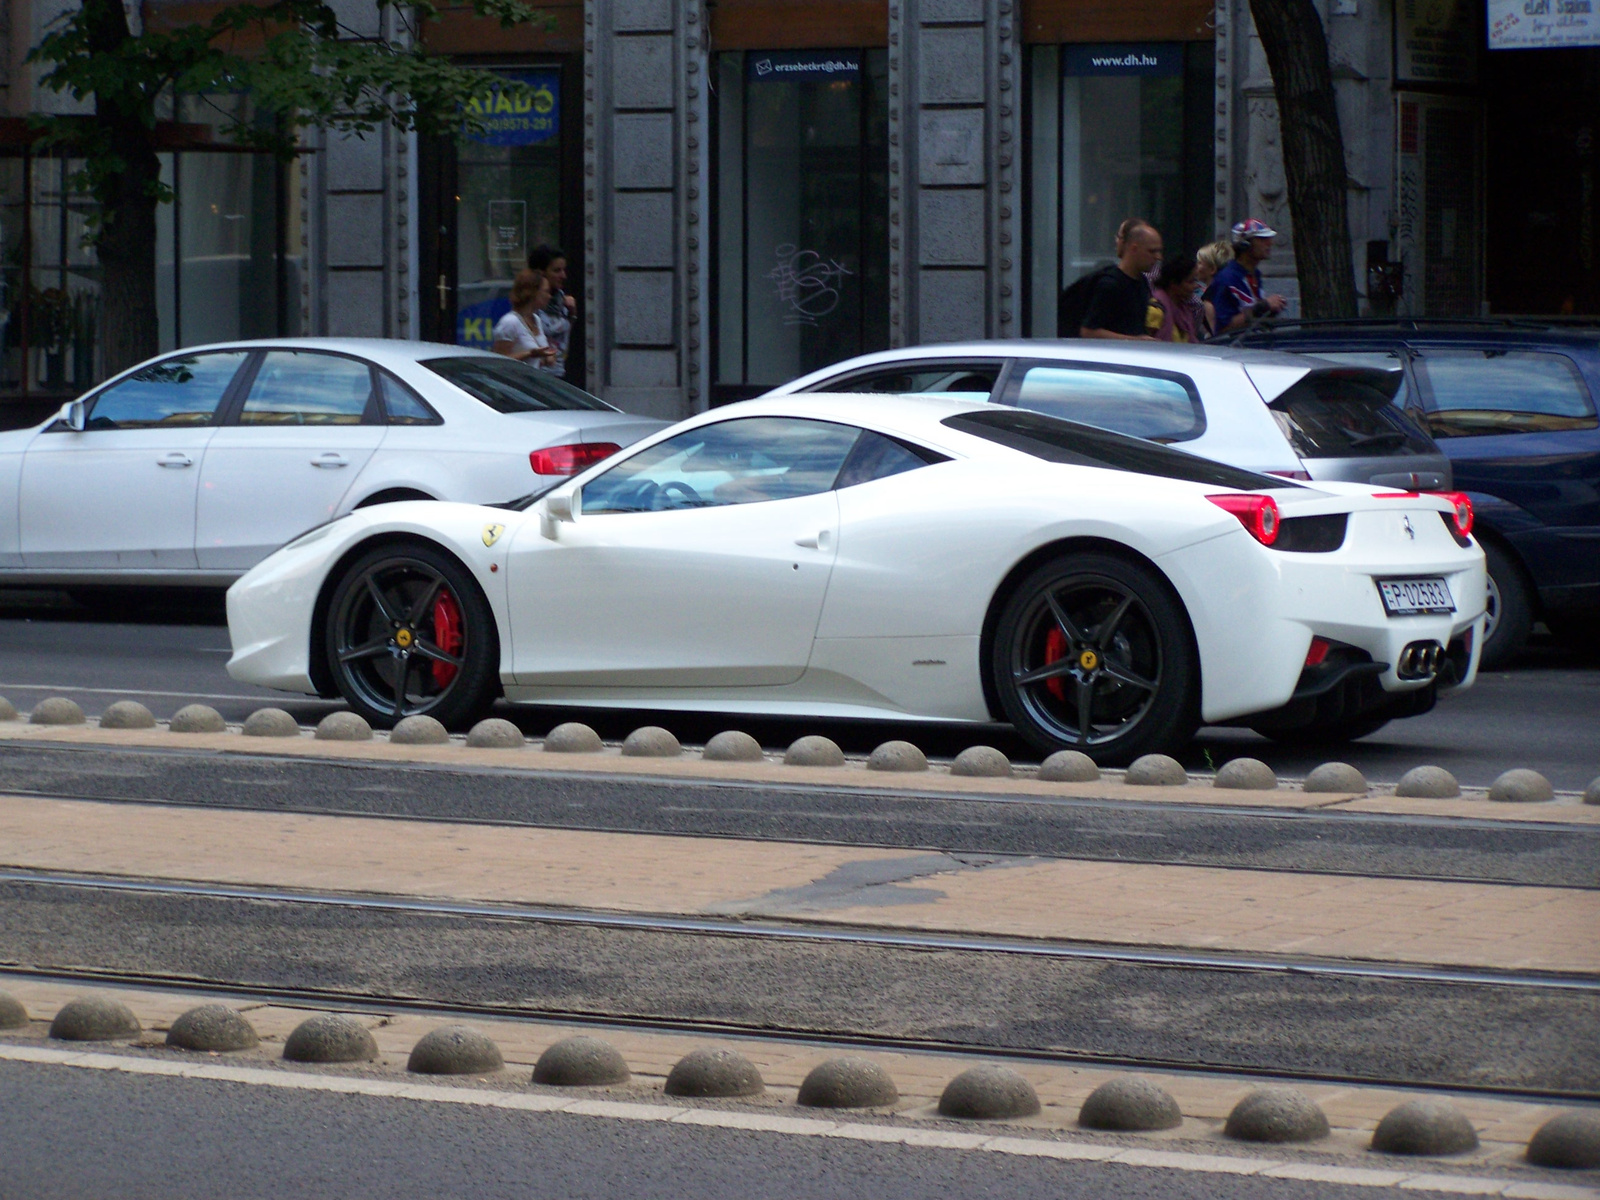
pixel 1088 660
pixel 491 534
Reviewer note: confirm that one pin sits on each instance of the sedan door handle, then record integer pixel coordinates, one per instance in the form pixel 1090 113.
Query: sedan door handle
pixel 175 459
pixel 330 459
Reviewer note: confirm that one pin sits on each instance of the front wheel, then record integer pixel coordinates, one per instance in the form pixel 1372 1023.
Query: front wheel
pixel 408 632
pixel 1094 653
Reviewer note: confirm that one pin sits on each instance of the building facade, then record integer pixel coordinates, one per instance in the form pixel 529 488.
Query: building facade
pixel 749 189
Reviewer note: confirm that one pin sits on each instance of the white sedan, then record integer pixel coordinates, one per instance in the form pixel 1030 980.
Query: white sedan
pixel 916 557
pixel 195 466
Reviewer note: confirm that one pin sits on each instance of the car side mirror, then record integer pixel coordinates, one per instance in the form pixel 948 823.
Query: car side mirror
pixel 561 506
pixel 74 415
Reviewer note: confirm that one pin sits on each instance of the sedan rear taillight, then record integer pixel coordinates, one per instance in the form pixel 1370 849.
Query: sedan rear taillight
pixel 1258 514
pixel 1460 516
pixel 569 460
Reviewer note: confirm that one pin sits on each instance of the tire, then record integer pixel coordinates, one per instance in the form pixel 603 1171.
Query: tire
pixel 1331 734
pixel 408 621
pixel 1099 626
pixel 1510 609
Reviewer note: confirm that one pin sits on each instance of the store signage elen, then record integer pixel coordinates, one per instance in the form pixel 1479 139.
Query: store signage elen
pixel 513 120
pixel 1542 24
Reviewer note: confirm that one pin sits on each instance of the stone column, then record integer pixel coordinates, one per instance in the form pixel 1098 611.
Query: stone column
pixel 953 145
pixel 645 203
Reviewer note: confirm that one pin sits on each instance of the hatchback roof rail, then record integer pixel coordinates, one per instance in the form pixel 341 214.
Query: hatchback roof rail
pixel 1577 324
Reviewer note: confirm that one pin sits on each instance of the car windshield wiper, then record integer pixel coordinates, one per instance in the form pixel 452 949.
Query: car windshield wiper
pixel 1388 437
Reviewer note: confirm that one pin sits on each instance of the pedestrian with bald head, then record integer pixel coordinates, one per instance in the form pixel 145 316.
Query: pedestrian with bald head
pixel 1120 301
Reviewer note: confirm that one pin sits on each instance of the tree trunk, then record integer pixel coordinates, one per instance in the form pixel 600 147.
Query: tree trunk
pixel 126 240
pixel 1313 154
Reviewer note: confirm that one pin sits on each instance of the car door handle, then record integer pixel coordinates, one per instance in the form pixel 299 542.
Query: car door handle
pixel 817 541
pixel 175 459
pixel 330 459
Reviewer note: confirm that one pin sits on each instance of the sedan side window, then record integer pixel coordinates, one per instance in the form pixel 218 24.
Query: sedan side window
pixel 742 461
pixel 175 392
pixel 1161 407
pixel 962 380
pixel 403 406
pixel 1477 392
pixel 294 387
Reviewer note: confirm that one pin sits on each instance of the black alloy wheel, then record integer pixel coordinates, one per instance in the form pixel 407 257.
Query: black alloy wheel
pixel 1510 609
pixel 408 632
pixel 1094 652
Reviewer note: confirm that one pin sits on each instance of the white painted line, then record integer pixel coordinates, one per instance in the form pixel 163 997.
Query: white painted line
pixel 62 689
pixel 940 1139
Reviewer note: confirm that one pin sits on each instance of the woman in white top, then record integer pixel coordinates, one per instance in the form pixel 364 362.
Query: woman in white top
pixel 518 334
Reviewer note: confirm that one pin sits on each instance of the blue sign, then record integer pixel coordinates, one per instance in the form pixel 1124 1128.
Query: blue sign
pixel 801 66
pixel 1122 58
pixel 518 120
pixel 475 323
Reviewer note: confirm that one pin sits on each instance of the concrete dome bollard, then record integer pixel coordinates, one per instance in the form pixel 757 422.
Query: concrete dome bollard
pixel 197 718
pixel 8 710
pixel 1335 777
pixel 848 1082
pixel 495 733
pixel 420 730
pixel 897 757
pixel 983 762
pixel 651 741
pixel 455 1050
pixel 814 751
pixel 1570 1140
pixel 56 710
pixel 1424 1126
pixel 1276 1114
pixel 330 1038
pixel 270 722
pixel 1156 770
pixel 1591 794
pixel 127 714
pixel 988 1093
pixel 213 1027
pixel 95 1019
pixel 714 1072
pixel 343 727
pixel 573 737
pixel 1428 783
pixel 1130 1103
pixel 1521 786
pixel 580 1062
pixel 731 745
pixel 12 1014
pixel 1246 775
pixel 1069 766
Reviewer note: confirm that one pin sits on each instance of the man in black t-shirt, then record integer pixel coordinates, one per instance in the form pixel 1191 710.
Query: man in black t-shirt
pixel 1121 298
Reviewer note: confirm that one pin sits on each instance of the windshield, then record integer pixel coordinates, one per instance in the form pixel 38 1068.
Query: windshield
pixel 509 386
pixel 1348 413
pixel 1055 440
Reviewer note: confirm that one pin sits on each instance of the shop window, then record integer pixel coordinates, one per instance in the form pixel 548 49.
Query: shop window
pixel 1119 130
pixel 801 213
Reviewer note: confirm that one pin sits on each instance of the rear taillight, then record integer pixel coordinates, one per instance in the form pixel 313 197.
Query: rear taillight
pixel 1258 514
pixel 1460 516
pixel 569 460
pixel 1318 653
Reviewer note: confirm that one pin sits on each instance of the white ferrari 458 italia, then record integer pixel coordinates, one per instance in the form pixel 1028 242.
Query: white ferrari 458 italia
pixel 913 558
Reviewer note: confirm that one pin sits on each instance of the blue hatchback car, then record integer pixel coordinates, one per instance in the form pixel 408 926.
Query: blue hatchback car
pixel 1512 404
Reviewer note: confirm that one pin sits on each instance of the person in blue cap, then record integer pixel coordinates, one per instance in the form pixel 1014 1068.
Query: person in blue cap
pixel 1236 291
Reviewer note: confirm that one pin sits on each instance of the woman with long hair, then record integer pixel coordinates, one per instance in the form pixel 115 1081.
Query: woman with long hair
pixel 518 334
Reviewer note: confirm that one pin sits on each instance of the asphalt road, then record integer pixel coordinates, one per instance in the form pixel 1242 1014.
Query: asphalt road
pixel 170 649
pixel 68 1133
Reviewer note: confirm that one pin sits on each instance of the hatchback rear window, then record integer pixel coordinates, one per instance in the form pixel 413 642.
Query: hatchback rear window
pixel 1060 441
pixel 1348 413
pixel 509 386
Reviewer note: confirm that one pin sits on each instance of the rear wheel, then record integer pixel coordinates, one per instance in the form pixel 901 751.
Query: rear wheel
pixel 1510 609
pixel 1094 653
pixel 409 633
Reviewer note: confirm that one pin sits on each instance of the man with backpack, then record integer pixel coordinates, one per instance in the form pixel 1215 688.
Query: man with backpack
pixel 1114 301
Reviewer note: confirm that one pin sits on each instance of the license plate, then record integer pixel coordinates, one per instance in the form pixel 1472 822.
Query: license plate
pixel 1409 597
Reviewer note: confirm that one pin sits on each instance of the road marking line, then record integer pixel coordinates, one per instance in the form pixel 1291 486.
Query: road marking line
pixel 1460 1185
pixel 264 698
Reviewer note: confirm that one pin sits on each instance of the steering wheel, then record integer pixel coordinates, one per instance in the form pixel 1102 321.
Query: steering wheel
pixel 675 487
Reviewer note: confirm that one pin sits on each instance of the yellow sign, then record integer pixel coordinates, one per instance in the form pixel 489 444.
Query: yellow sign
pixel 491 534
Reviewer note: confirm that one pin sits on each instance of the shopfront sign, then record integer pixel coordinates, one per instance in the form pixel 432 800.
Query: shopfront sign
pixel 1541 24
pixel 475 322
pixel 512 119
pixel 802 66
pixel 1436 41
pixel 1122 58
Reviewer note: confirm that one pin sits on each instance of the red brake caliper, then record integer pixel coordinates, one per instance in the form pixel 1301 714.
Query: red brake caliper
pixel 446 635
pixel 1055 649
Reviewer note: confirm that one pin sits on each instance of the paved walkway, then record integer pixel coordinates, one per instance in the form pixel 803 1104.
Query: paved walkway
pixel 1453 924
